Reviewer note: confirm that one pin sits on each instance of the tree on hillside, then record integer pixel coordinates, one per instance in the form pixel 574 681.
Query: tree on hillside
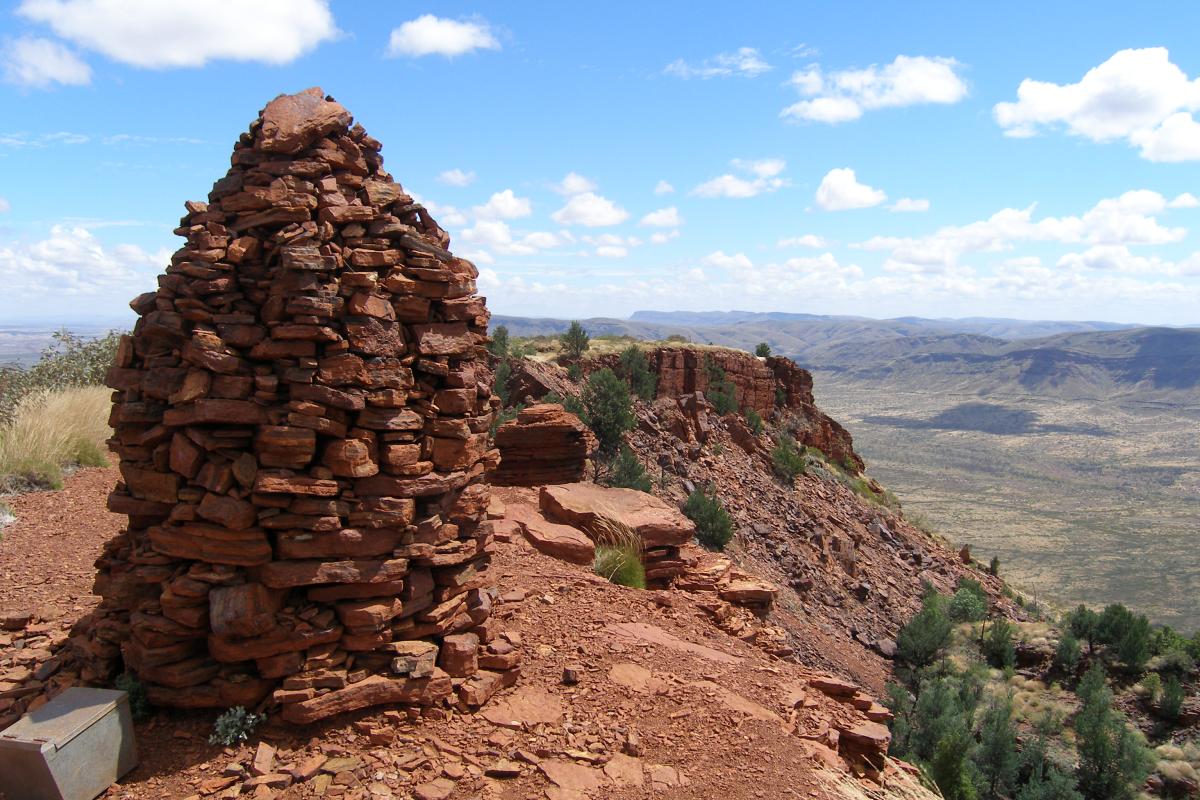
pixel 607 408
pixel 635 369
pixel 762 350
pixel 920 641
pixel 1113 761
pixel 1133 648
pixel 997 753
pixel 1085 625
pixel 721 392
pixel 1044 780
pixel 998 647
pixel 1067 653
pixel 499 344
pixel 626 472
pixel 575 342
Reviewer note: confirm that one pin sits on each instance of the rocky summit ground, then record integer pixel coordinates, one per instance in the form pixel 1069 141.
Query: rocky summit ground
pixel 624 693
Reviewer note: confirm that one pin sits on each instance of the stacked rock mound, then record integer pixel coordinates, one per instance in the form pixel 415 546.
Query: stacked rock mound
pixel 302 420
pixel 544 444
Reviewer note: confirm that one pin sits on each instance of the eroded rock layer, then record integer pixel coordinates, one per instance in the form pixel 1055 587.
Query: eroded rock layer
pixel 301 415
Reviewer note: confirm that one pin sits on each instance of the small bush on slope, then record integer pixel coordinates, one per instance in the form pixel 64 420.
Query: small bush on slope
pixel 714 528
pixel 920 641
pixel 234 726
pixel 626 472
pixel 635 369
pixel 787 459
pixel 721 392
pixel 607 409
pixel 618 553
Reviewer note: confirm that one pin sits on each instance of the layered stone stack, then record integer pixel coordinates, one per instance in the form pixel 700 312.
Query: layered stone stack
pixel 544 444
pixel 302 418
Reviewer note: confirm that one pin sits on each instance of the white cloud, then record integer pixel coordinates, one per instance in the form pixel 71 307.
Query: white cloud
pixel 72 261
pixel 745 62
pixel 574 183
pixel 843 95
pixel 428 35
pixel 662 237
pixel 662 187
pixel 909 204
pixel 611 251
pixel 445 215
pixel 807 240
pixel 5 206
pixel 456 177
pixel 1136 95
pixel 498 236
pixel 766 178
pixel 1125 220
pixel 504 205
pixel 591 210
pixel 720 259
pixel 841 191
pixel 41 63
pixel 1185 200
pixel 158 35
pixel 663 218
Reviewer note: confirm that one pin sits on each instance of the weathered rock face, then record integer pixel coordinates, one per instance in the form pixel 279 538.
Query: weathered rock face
pixel 760 384
pixel 544 444
pixel 302 417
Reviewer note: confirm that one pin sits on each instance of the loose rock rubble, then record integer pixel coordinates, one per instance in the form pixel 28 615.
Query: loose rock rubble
pixel 301 416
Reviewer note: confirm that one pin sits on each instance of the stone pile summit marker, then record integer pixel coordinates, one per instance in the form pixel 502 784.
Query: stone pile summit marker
pixel 301 415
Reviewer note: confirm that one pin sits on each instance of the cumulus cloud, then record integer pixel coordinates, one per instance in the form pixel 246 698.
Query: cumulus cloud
pixel 40 63
pixel 724 261
pixel 428 35
pixel 1125 220
pixel 909 204
pixel 668 217
pixel 158 35
pixel 841 191
pixel 497 236
pixel 611 251
pixel 745 62
pixel 844 95
pixel 5 205
pixel 1185 200
pixel 574 183
pixel 504 205
pixel 456 177
pixel 662 187
pixel 1137 95
pixel 72 261
pixel 591 210
pixel 807 240
pixel 764 176
pixel 662 237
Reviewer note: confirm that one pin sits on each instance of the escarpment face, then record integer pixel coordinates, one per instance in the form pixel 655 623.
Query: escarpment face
pixel 301 416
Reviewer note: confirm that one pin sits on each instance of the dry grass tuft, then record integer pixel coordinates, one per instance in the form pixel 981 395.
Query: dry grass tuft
pixel 618 553
pixel 51 430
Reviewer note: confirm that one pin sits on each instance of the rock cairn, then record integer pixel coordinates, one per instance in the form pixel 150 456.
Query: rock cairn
pixel 544 444
pixel 302 416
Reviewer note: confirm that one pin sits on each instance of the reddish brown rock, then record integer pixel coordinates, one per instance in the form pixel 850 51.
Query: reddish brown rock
pixel 553 539
pixel 544 444
pixel 581 504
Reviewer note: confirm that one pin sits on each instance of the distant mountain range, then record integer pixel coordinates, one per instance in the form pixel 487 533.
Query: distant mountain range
pixel 981 356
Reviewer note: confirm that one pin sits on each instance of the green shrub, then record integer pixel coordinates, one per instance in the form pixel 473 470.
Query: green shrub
pixel 1153 686
pixel 575 372
pixel 1178 661
pixel 787 459
pixel 1068 653
pixel 780 398
pixel 1113 759
pixel 997 754
pixel 234 726
pixel 714 528
pixel 721 392
pixel 1133 648
pixel 618 553
pixel 755 421
pixel 762 350
pixel 920 641
pixel 498 347
pixel 627 472
pixel 503 373
pixel 607 409
pixel 139 703
pixel 994 567
pixel 635 369
pixel 71 361
pixel 998 646
pixel 575 341
pixel 1085 625
pixel 967 606
pixel 1171 703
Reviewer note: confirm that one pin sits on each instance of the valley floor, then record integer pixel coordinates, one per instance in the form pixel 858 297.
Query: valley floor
pixel 1083 501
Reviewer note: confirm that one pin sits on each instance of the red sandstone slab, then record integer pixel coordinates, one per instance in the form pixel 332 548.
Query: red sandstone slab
pixel 213 544
pixel 344 543
pixel 580 504
pixel 286 574
pixel 372 691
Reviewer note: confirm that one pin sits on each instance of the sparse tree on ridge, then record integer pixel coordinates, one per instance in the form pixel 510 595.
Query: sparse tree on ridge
pixel 576 341
pixel 762 350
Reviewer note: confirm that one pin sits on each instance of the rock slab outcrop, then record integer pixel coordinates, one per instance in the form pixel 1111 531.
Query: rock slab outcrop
pixel 544 444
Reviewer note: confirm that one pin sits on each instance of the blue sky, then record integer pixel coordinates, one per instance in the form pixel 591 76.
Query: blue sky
pixel 936 159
